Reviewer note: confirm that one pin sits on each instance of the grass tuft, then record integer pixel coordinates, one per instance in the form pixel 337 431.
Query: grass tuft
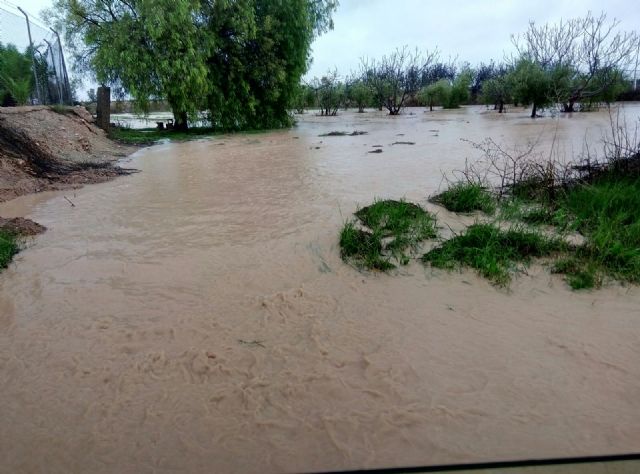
pixel 493 252
pixel 391 229
pixel 466 197
pixel 8 248
pixel 580 273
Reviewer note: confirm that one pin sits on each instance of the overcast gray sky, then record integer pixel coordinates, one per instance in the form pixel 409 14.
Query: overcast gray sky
pixel 472 30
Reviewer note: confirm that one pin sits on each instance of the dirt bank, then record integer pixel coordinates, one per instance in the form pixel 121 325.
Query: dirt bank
pixel 42 149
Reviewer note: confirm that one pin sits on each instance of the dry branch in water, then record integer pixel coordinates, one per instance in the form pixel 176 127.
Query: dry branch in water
pixel 526 170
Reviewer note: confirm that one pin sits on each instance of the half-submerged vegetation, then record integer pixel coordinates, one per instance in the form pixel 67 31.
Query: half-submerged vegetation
pixel 583 217
pixel 385 232
pixel 466 197
pixel 492 251
pixel 597 199
pixel 8 247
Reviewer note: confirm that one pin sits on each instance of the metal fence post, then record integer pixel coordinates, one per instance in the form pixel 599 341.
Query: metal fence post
pixel 33 57
pixel 65 77
pixel 55 72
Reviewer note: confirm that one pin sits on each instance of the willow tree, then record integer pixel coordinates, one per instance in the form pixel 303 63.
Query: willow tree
pixel 152 48
pixel 240 59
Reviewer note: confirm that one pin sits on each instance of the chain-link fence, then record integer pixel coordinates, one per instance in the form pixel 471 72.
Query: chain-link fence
pixel 32 63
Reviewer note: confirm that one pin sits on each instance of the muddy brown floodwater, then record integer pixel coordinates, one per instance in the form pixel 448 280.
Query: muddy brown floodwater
pixel 196 317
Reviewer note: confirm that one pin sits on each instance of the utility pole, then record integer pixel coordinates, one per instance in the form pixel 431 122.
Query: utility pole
pixel 33 56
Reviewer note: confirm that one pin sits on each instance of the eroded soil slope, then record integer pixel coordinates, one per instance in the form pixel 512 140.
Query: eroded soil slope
pixel 41 149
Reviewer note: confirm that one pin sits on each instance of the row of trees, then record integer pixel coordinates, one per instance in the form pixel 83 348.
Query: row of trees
pixel 241 60
pixel 580 61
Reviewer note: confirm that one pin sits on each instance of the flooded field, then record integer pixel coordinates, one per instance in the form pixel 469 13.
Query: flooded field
pixel 196 317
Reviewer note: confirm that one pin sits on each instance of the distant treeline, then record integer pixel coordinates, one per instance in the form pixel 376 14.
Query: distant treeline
pixel 573 65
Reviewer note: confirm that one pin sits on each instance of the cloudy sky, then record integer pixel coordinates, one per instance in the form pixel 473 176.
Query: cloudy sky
pixel 471 30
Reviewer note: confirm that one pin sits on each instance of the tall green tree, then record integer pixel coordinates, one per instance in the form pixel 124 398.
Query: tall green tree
pixel 152 48
pixel 240 59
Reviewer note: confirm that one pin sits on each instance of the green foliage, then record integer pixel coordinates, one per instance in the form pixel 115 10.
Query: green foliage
pixel 242 60
pixel 304 98
pixel 330 93
pixel 531 85
pixel 435 94
pixel 580 273
pixel 363 248
pixel 8 248
pixel 459 92
pixel 391 229
pixel 493 252
pixel 466 197
pixel 448 94
pixel 497 91
pixel 16 76
pixel 607 213
pixel 360 94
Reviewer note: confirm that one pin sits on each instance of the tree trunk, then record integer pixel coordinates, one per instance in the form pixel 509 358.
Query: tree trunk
pixel 534 110
pixel 501 109
pixel 181 123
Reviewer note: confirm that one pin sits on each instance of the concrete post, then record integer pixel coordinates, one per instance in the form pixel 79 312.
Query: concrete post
pixel 103 110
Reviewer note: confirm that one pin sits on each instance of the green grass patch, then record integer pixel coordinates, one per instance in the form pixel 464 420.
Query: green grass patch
pixel 384 232
pixel 579 273
pixel 8 248
pixel 149 136
pixel 466 197
pixel 493 252
pixel 607 213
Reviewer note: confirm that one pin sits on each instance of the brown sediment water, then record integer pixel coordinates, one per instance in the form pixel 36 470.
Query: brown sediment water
pixel 196 317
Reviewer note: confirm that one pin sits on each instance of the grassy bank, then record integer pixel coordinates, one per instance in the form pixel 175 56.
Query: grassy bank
pixel 149 136
pixel 8 248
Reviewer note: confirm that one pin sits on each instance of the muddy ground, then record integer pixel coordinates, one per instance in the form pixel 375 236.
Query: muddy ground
pixel 43 150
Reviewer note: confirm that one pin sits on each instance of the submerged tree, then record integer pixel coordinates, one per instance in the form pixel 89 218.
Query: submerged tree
pixel 582 57
pixel 434 94
pixel 358 93
pixel 397 77
pixel 330 93
pixel 531 85
pixel 497 92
